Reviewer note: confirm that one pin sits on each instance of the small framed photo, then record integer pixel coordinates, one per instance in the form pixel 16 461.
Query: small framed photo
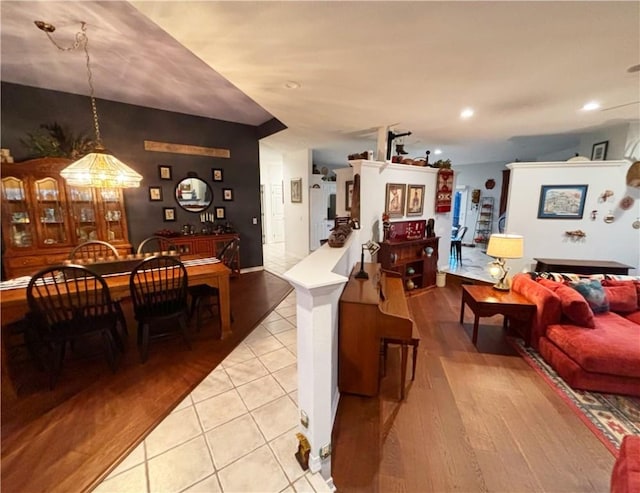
pixel 216 174
pixel 164 172
pixel 220 213
pixel 348 197
pixel 394 200
pixel 296 190
pixel 227 194
pixel 415 200
pixel 599 151
pixel 169 214
pixel 562 201
pixel 155 194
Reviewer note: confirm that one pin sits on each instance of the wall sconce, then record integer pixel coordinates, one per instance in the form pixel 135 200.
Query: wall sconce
pixel 372 247
pixel 502 246
pixel 99 168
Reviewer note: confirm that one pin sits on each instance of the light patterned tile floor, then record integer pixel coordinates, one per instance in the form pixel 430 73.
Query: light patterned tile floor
pixel 236 431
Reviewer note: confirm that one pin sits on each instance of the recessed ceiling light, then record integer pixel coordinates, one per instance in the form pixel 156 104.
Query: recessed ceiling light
pixel 292 84
pixel 437 151
pixel 591 106
pixel 466 113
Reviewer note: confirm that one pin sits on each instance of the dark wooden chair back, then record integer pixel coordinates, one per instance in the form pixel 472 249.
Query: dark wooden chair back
pixel 67 302
pixel 156 244
pixel 229 254
pixel 93 250
pixel 158 288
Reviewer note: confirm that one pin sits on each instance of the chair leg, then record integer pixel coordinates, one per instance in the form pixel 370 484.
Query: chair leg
pixel 385 348
pixel 403 369
pixel 143 336
pixel 111 349
pixel 183 327
pixel 415 359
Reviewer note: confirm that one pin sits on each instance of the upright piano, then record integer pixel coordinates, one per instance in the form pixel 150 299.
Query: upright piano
pixel 371 310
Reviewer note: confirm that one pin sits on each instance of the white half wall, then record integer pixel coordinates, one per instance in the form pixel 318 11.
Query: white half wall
pixel 296 215
pixel 546 238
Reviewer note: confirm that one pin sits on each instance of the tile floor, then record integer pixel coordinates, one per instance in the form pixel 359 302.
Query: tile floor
pixel 236 431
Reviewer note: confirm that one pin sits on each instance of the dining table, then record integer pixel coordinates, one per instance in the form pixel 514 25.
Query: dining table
pixel 13 303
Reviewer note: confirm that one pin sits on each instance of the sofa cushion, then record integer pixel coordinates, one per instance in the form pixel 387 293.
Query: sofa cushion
pixel 632 282
pixel 633 316
pixel 625 477
pixel 611 347
pixel 622 298
pixel 593 292
pixel 574 306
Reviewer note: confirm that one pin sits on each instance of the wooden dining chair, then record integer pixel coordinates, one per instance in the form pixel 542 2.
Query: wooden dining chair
pixel 68 303
pixel 204 296
pixel 156 244
pixel 158 288
pixel 93 250
pixel 89 252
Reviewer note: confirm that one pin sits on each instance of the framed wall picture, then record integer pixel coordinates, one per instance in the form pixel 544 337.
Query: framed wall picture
pixel 444 190
pixel 599 151
pixel 164 172
pixel 220 213
pixel 227 194
pixel 169 214
pixel 155 194
pixel 296 190
pixel 395 199
pixel 348 197
pixel 216 174
pixel 415 200
pixel 562 201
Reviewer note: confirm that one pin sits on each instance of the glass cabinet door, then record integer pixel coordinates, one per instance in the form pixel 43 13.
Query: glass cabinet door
pixel 16 213
pixel 113 214
pixel 84 213
pixel 50 212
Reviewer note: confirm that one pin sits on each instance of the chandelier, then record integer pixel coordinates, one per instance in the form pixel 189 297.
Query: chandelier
pixel 99 168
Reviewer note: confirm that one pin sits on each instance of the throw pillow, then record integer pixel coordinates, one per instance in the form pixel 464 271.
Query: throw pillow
pixel 622 298
pixel 632 282
pixel 593 292
pixel 573 304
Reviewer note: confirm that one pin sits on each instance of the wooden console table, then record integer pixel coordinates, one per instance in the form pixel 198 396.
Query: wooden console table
pixel 581 266
pixel 485 301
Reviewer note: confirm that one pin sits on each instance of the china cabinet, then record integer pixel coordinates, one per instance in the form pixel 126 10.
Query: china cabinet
pixel 43 218
pixel 416 261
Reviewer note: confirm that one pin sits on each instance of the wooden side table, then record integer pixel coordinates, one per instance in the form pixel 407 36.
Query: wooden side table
pixel 485 301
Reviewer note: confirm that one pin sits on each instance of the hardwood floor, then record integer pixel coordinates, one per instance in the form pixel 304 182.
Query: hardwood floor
pixel 70 438
pixel 475 419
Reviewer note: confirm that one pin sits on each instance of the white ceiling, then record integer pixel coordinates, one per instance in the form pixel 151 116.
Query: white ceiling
pixel 525 67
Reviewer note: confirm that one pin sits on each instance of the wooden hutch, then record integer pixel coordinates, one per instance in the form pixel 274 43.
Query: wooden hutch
pixel 43 218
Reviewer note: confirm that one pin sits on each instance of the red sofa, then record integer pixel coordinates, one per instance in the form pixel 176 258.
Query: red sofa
pixel 591 351
pixel 625 477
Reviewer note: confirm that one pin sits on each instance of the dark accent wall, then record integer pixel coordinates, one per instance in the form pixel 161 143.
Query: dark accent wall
pixel 124 128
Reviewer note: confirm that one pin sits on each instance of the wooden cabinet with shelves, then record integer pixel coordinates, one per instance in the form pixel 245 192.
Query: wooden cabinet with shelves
pixel 415 260
pixel 43 218
pixel 484 222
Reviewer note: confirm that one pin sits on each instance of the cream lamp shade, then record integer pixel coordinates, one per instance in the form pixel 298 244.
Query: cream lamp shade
pixel 505 246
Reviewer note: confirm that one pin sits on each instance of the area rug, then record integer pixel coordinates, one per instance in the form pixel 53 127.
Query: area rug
pixel 609 416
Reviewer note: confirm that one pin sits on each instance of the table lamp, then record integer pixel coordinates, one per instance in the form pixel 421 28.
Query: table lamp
pixel 372 247
pixel 503 246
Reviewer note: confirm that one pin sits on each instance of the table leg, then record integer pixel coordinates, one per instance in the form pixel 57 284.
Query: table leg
pixel 474 338
pixel 462 309
pixel 403 369
pixel 225 305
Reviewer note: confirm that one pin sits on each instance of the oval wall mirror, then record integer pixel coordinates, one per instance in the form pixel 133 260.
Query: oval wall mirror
pixel 193 194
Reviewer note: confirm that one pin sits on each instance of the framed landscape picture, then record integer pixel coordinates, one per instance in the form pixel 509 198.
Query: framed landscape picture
pixel 562 201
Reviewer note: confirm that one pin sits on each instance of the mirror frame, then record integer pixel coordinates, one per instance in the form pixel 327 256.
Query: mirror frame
pixel 198 206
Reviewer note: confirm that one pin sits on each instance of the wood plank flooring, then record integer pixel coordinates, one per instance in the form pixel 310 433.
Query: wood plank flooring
pixel 70 438
pixel 474 420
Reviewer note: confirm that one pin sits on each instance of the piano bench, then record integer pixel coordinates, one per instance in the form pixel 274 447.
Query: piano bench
pixel 404 343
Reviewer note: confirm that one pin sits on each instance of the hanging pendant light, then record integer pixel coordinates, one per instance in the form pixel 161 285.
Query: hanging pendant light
pixel 99 168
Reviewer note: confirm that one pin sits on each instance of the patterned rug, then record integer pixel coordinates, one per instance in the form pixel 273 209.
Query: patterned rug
pixel 609 416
